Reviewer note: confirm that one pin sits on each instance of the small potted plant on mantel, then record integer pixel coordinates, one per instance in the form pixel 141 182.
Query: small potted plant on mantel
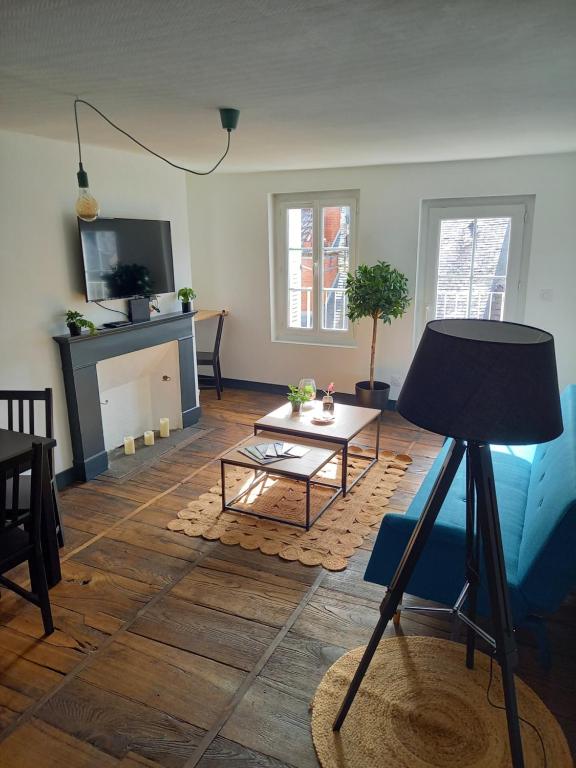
pixel 186 296
pixel 379 292
pixel 296 396
pixel 76 321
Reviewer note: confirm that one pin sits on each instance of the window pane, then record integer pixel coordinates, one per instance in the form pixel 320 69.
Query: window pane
pixel 335 266
pixel 472 265
pixel 300 267
pixel 490 267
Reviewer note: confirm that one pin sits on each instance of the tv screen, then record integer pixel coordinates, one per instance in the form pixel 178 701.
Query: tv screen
pixel 124 258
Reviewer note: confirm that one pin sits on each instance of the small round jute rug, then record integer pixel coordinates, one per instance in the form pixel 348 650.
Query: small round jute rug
pixel 420 707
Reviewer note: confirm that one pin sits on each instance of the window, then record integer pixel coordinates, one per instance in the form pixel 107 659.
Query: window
pixel 472 259
pixel 313 251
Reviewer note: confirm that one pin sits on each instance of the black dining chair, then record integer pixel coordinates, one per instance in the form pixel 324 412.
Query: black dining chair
pixel 20 529
pixel 213 359
pixel 30 411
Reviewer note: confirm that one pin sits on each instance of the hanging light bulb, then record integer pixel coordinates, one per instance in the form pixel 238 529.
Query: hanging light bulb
pixel 87 207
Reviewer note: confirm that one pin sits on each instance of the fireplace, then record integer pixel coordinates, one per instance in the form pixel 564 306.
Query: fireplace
pixel 109 367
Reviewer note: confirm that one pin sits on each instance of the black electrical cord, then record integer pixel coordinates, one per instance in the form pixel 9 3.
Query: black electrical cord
pixel 139 143
pixel 120 312
pixel 499 706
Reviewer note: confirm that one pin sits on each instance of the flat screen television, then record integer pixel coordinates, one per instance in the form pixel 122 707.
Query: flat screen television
pixel 124 258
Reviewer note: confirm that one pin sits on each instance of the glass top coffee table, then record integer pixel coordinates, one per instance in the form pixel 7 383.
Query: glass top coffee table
pixel 349 421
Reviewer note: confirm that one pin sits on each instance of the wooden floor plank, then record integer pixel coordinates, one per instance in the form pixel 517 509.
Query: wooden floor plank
pixel 39 744
pixel 223 637
pixel 270 600
pixel 133 562
pixel 180 684
pixel 273 720
pixel 223 753
pixel 120 726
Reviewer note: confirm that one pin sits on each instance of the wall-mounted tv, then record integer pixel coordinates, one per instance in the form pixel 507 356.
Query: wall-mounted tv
pixel 124 258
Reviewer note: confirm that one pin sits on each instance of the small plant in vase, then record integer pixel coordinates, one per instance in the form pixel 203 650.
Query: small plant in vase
pixel 76 321
pixel 296 397
pixel 328 399
pixel 186 295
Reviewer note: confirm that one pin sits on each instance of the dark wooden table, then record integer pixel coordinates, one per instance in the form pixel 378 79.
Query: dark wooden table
pixel 12 445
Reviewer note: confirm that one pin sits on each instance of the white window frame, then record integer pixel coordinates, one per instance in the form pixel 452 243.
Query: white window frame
pixel 520 209
pixel 278 207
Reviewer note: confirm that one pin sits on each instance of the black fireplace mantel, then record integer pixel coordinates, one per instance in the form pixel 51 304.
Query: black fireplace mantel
pixel 80 354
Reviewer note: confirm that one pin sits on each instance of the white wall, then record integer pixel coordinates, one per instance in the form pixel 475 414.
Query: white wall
pixel 229 247
pixel 40 273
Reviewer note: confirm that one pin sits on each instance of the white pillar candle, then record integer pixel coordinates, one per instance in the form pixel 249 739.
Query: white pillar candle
pixel 129 446
pixel 165 427
pixel 149 437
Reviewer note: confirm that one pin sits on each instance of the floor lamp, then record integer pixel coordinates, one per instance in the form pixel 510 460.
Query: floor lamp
pixel 478 382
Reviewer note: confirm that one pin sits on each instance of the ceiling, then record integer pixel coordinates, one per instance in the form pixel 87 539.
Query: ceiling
pixel 320 83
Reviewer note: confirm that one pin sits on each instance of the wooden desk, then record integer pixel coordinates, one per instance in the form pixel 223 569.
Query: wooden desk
pixel 208 314
pixel 13 444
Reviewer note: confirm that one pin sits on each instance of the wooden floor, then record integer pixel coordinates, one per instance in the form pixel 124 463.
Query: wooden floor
pixel 171 651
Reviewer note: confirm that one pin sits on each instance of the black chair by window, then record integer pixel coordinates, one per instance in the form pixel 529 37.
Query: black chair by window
pixel 213 359
pixel 20 529
pixel 22 415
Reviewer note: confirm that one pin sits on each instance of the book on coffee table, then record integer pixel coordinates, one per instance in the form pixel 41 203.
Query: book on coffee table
pixel 266 453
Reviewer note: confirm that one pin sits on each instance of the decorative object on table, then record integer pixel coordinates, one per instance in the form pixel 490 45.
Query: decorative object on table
pixel 427 718
pixel 296 397
pixel 129 445
pixel 270 452
pixel 379 292
pixel 186 296
pixel 165 427
pixel 326 417
pixel 485 371
pixel 308 386
pixel 328 399
pixel 149 437
pixel 76 321
pixel 87 207
pixel 332 539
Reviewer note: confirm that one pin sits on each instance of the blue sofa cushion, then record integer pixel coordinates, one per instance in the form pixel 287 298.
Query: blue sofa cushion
pixel 547 557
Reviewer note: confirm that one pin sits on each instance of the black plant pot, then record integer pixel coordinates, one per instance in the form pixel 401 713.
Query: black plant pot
pixel 372 398
pixel 74 329
pixel 186 306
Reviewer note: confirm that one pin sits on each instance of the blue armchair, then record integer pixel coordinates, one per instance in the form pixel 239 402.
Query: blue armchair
pixel 536 489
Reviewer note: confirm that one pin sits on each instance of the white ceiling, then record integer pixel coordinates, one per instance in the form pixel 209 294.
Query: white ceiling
pixel 320 83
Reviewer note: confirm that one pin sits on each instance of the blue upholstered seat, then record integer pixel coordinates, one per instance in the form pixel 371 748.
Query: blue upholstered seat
pixel 536 489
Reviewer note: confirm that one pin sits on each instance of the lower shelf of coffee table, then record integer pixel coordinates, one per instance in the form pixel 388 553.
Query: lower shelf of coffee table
pixel 302 470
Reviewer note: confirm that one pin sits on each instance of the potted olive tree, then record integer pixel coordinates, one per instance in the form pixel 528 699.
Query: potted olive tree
pixel 186 295
pixel 379 292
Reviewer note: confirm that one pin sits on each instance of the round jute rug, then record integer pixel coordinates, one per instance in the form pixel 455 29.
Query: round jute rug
pixel 420 707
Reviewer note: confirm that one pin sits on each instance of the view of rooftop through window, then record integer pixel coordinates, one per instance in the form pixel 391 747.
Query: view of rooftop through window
pixel 472 267
pixel 334 264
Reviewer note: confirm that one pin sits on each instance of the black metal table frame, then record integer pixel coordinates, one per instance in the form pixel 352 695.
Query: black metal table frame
pixel 342 442
pixel 266 470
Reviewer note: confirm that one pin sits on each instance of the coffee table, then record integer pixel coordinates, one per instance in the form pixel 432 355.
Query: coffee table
pixel 303 469
pixel 349 421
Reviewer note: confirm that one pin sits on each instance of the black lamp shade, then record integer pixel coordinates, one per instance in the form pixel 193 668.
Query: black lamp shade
pixel 484 381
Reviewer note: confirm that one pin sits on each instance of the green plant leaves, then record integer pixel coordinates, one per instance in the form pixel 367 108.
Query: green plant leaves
pixel 379 291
